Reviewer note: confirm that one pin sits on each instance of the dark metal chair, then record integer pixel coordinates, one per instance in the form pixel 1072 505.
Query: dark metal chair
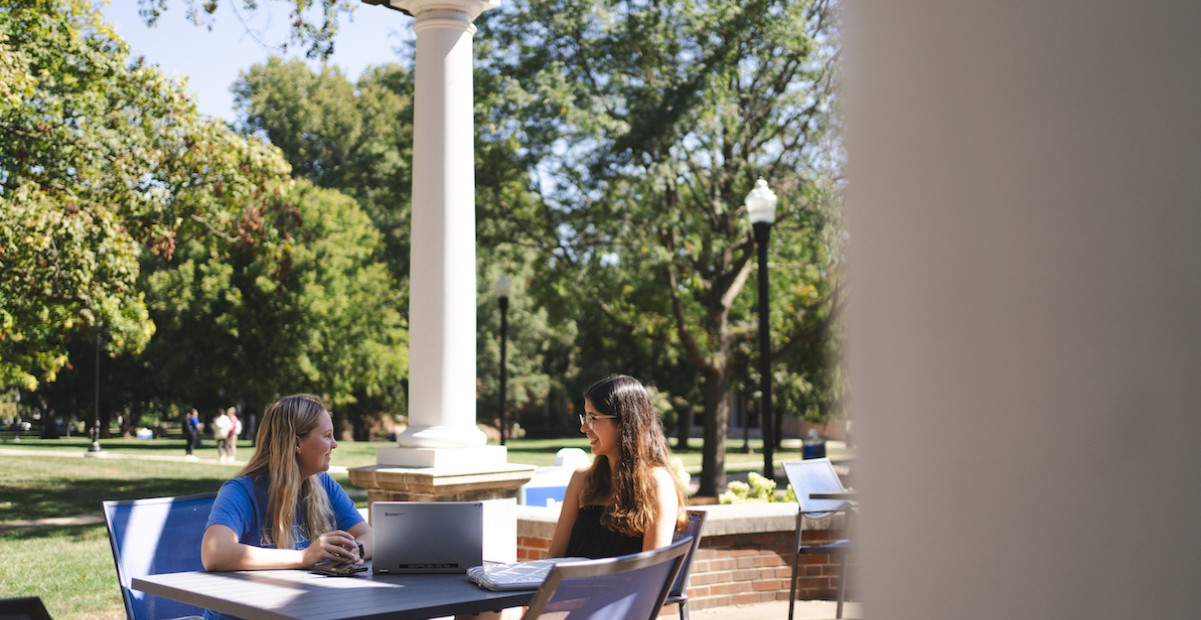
pixel 679 590
pixel 818 476
pixel 630 587
pixel 23 608
pixel 153 537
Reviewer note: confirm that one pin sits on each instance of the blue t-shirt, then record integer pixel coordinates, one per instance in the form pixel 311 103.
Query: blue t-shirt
pixel 241 506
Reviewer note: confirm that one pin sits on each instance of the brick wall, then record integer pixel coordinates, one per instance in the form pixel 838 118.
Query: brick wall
pixel 745 554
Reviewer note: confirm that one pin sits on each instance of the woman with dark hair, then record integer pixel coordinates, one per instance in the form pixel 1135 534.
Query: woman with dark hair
pixel 283 510
pixel 628 500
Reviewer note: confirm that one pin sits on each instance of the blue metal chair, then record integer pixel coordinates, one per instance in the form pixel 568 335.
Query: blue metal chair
pixel 153 537
pixel 817 476
pixel 679 589
pixel 630 587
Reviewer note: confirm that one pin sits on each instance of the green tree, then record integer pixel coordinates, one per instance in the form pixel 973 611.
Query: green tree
pixel 648 124
pixel 355 138
pixel 300 304
pixel 100 162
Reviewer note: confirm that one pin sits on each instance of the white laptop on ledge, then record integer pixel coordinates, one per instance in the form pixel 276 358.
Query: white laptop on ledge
pixel 427 537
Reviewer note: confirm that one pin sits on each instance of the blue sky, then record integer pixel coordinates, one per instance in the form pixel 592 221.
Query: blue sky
pixel 211 60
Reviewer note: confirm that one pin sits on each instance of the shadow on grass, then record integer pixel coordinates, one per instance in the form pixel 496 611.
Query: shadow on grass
pixel 80 497
pixel 63 533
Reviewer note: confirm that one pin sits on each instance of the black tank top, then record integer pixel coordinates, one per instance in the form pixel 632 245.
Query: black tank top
pixel 590 539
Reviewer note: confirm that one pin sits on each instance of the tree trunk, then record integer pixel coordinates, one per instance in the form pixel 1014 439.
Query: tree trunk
pixel 683 430
pixel 50 424
pixel 716 387
pixel 343 430
pixel 778 431
pixel 131 421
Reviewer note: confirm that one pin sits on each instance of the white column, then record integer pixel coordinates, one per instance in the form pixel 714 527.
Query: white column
pixel 442 382
pixel 441 455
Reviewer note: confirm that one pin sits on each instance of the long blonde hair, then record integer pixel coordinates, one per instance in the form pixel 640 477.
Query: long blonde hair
pixel 630 492
pixel 284 421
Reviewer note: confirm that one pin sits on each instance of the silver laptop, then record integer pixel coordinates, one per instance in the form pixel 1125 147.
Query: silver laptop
pixel 427 537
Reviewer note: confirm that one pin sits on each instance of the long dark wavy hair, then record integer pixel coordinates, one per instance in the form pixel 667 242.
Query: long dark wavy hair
pixel 630 491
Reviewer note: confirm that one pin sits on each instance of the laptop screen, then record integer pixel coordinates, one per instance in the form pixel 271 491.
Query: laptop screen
pixel 427 537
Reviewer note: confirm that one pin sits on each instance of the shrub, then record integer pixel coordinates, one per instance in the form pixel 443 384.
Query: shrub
pixel 757 489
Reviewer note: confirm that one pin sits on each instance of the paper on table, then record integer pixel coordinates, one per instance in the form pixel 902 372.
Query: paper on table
pixel 515 576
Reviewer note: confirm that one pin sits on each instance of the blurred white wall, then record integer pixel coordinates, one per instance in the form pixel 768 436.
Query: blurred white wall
pixel 1025 324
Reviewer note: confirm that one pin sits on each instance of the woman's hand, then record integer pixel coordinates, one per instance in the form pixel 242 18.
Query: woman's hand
pixel 221 551
pixel 337 547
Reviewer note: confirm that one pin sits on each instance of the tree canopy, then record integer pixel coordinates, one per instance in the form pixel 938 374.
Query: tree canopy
pixel 352 137
pixel 185 245
pixel 647 125
pixel 100 162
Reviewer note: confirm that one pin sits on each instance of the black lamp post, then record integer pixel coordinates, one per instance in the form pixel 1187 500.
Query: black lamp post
pixel 761 210
pixel 503 288
pixel 95 449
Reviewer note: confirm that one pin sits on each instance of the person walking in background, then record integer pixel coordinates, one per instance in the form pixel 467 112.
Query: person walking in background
pixel 191 430
pixel 220 427
pixel 235 431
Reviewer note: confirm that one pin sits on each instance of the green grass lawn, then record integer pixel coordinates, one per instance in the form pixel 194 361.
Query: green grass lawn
pixel 357 453
pixel 71 567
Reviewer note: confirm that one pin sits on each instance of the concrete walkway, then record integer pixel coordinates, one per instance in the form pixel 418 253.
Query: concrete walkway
pixel 774 610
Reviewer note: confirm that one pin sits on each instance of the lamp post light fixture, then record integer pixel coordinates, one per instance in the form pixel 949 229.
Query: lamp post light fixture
pixel 761 211
pixel 503 288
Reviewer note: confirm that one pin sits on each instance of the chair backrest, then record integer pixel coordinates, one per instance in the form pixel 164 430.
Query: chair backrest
pixel 696 523
pixel 153 537
pixel 814 476
pixel 24 608
pixel 630 587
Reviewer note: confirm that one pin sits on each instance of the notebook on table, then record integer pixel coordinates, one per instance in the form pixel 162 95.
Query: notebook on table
pixel 427 537
pixel 515 576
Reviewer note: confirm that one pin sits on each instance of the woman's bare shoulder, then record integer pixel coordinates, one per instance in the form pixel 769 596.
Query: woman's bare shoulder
pixel 664 477
pixel 578 477
pixel 663 473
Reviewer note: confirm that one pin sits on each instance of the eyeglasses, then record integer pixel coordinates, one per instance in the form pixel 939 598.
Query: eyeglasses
pixel 589 419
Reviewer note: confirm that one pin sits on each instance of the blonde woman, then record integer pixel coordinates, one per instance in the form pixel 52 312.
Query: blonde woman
pixel 283 510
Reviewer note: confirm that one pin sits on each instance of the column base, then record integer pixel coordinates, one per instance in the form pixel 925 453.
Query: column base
pixel 440 484
pixel 443 458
